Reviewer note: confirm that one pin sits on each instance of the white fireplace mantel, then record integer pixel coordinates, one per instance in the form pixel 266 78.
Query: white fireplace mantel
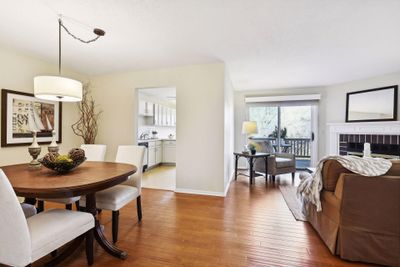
pixel 334 129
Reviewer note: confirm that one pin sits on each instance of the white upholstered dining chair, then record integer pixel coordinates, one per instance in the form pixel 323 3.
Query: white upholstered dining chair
pixel 93 152
pixel 118 196
pixel 24 241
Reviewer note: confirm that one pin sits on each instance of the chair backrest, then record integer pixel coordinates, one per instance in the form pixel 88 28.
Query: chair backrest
pixel 94 152
pixel 132 154
pixel 263 146
pixel 14 233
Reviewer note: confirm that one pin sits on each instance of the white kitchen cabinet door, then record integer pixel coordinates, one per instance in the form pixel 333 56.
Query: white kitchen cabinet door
pixel 164 114
pixel 152 156
pixel 174 117
pixel 167 116
pixel 169 152
pixel 149 109
pixel 142 107
pixel 146 108
pixel 158 154
pixel 156 122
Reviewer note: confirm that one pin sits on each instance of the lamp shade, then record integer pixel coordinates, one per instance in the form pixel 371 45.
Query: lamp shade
pixel 57 88
pixel 249 127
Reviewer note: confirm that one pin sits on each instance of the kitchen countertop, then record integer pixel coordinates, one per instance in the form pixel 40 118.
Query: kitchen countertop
pixel 155 139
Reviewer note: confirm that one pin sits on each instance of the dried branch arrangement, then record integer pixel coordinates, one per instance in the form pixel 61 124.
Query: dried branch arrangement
pixel 87 125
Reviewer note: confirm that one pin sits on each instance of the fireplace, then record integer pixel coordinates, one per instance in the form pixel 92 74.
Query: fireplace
pixel 386 146
pixel 349 138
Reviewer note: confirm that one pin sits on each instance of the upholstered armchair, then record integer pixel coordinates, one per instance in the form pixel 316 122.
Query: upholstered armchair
pixel 278 163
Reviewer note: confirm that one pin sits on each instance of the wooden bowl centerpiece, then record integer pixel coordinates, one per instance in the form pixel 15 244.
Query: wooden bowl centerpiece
pixel 63 163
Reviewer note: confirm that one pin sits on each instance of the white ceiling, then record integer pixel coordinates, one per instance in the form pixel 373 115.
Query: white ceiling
pixel 264 43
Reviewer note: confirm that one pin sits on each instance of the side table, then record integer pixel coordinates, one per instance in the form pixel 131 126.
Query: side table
pixel 251 159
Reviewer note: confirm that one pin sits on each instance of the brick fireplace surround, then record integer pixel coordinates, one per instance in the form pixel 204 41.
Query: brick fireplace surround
pixel 380 144
pixel 346 138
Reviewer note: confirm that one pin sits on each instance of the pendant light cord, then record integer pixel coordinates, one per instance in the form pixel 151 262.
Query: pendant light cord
pixel 97 31
pixel 59 46
pixel 76 37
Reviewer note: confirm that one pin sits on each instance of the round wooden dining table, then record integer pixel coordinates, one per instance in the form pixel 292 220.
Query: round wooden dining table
pixel 87 179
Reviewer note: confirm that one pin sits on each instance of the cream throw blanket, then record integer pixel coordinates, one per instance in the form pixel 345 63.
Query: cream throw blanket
pixel 311 185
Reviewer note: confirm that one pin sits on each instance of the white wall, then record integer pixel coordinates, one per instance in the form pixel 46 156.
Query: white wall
pixel 16 73
pixel 200 119
pixel 229 132
pixel 332 106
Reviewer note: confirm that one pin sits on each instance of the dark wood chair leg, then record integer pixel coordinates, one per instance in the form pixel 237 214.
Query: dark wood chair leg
pixel 236 166
pixel 89 247
pixel 115 221
pixel 68 206
pixel 273 178
pixel 139 207
pixel 293 175
pixel 40 206
pixel 77 205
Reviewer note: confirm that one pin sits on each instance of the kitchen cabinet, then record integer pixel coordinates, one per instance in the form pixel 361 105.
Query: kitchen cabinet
pixel 146 108
pixel 156 112
pixel 169 151
pixel 152 157
pixel 173 117
pixel 158 154
pixel 164 116
pixel 155 153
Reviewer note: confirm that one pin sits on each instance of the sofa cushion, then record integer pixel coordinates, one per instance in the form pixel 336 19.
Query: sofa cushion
pixel 333 169
pixel 54 228
pixel 113 198
pixel 395 169
pixel 330 174
pixel 283 162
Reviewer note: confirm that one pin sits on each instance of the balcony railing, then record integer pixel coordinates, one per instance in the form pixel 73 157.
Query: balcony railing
pixel 299 146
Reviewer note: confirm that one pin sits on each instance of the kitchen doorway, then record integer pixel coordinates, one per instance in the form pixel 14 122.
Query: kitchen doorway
pixel 156 117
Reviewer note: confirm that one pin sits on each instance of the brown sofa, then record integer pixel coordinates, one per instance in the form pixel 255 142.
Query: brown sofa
pixel 360 217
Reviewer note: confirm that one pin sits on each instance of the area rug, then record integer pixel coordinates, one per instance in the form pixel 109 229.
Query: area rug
pixel 294 204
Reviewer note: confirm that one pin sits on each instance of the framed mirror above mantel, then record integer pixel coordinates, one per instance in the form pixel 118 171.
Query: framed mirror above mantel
pixel 378 104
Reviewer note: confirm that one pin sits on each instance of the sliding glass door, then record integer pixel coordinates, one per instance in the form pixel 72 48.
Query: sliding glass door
pixel 290 128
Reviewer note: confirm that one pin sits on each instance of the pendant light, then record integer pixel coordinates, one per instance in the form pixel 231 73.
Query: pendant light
pixel 58 88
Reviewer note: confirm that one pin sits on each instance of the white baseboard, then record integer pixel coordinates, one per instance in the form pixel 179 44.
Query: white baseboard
pixel 207 193
pixel 229 183
pixel 199 192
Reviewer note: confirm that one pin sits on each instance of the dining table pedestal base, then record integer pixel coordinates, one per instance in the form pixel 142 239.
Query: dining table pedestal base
pixel 98 231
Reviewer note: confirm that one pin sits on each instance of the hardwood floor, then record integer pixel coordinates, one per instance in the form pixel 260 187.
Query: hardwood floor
pixel 252 226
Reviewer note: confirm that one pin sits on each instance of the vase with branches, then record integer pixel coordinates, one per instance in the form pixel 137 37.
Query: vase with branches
pixel 87 125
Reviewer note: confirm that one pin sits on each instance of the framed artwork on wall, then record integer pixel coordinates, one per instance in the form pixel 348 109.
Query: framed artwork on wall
pixel 22 113
pixel 378 104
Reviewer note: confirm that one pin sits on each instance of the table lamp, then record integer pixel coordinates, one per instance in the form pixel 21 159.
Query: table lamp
pixel 249 128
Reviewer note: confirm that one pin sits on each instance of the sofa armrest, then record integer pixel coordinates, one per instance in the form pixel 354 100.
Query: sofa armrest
pixel 370 218
pixel 370 202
